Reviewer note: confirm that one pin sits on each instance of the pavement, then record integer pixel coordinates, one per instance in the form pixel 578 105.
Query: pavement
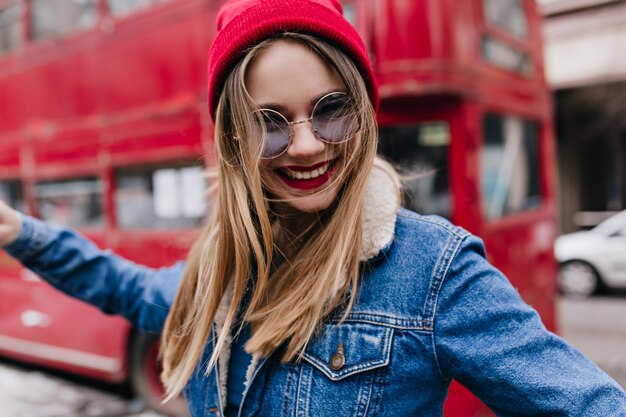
pixel 597 327
pixel 32 393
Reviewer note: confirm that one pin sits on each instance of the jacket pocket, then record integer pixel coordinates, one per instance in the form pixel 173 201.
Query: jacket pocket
pixel 346 349
pixel 343 372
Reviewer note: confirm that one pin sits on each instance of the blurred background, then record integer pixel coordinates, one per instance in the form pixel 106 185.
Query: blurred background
pixel 512 109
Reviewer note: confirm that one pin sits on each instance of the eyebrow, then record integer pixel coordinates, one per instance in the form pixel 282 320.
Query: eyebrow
pixel 281 108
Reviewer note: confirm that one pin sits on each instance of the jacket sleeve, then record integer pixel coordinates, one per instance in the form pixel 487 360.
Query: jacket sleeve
pixel 74 265
pixel 493 343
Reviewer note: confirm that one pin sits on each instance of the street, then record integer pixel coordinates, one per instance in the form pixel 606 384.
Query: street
pixel 594 326
pixel 33 393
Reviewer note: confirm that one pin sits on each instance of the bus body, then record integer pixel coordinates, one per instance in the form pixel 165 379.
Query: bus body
pixel 465 81
pixel 103 128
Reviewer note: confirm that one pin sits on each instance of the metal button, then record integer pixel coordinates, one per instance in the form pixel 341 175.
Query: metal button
pixel 338 360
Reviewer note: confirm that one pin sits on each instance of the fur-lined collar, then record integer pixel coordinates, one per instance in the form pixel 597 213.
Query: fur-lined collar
pixel 380 210
pixel 379 218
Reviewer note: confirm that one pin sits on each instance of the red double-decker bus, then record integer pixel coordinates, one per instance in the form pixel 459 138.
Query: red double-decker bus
pixel 103 128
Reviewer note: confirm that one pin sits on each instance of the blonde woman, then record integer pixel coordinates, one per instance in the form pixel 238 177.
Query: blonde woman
pixel 310 292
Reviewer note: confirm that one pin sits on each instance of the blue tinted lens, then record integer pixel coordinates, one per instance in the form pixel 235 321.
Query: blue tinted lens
pixel 335 119
pixel 277 134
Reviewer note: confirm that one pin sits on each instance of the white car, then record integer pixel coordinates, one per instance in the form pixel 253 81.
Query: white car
pixel 594 259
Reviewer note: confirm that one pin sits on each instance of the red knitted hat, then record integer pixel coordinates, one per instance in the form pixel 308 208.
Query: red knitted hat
pixel 242 24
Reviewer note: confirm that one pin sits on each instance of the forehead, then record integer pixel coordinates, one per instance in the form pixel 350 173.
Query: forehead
pixel 287 72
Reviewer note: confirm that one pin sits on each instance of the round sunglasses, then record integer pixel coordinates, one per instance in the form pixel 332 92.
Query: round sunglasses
pixel 334 119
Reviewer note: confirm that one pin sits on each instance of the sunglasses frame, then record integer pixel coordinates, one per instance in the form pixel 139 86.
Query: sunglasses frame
pixel 307 120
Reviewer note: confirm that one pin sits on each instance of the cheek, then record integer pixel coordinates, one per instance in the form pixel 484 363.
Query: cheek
pixel 354 145
pixel 265 165
pixel 267 171
pixel 349 152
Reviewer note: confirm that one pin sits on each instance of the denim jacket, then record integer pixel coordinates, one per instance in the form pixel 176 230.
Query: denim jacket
pixel 429 309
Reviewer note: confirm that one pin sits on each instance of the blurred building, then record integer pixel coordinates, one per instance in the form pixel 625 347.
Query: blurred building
pixel 585 54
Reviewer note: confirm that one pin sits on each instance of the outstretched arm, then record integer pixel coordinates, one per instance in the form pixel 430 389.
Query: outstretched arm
pixel 76 266
pixel 488 339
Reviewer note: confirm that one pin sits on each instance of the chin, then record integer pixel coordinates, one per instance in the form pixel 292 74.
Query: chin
pixel 317 202
pixel 293 196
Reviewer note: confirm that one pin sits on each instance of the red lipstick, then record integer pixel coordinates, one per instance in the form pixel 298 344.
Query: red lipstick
pixel 307 184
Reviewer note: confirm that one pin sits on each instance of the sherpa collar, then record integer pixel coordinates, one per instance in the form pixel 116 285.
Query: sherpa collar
pixel 379 219
pixel 379 211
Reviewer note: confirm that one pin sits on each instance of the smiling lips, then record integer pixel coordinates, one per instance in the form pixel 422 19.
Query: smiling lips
pixel 307 178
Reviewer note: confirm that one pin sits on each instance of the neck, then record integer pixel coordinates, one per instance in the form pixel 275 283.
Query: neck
pixel 291 228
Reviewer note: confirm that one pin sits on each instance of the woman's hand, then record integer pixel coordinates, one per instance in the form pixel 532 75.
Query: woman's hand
pixel 10 224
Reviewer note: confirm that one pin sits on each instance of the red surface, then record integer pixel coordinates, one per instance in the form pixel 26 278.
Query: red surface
pixel 430 68
pixel 132 91
pixel 128 92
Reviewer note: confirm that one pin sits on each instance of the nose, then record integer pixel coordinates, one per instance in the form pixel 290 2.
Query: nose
pixel 304 144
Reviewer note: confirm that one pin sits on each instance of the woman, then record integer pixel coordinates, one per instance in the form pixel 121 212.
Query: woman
pixel 310 292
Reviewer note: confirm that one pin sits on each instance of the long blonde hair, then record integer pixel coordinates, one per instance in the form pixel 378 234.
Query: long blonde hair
pixel 236 247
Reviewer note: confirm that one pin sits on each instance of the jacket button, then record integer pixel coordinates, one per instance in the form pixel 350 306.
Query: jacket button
pixel 338 360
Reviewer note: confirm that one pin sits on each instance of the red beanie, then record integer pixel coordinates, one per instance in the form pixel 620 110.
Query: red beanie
pixel 242 24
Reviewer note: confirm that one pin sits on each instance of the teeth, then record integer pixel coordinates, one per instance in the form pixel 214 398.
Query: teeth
pixel 307 175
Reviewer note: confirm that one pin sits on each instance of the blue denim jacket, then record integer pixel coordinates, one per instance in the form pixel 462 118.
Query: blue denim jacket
pixel 430 309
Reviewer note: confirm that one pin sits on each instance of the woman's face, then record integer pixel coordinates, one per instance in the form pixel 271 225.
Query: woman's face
pixel 289 78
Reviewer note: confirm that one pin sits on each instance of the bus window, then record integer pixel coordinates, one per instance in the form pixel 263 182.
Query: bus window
pixel 509 165
pixel 506 56
pixel 73 203
pixel 10 28
pixel 125 7
pixel 12 194
pixel 53 18
pixel 507 15
pixel 160 197
pixel 420 152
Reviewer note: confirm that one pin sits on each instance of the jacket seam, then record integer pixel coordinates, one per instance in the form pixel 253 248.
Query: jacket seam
pixel 441 271
pixel 434 220
pixel 382 320
pixel 435 290
pixel 421 328
pixel 436 357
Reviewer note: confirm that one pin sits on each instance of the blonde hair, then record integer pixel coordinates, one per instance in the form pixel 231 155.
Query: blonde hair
pixel 236 247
